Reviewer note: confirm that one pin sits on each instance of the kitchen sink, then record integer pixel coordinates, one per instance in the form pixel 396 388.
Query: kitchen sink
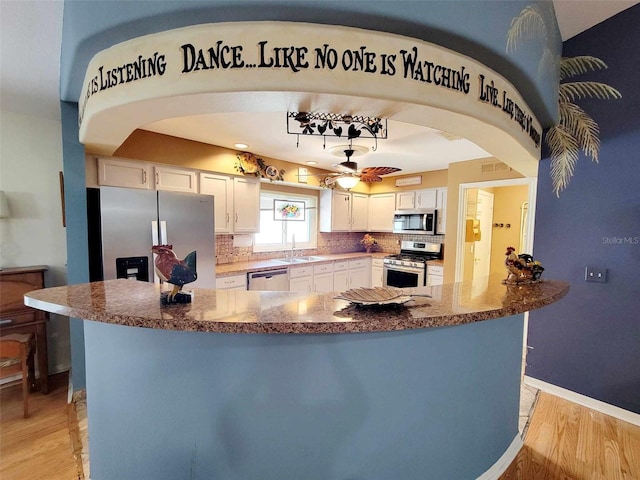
pixel 293 260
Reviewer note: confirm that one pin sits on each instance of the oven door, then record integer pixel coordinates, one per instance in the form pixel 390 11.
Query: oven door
pixel 403 277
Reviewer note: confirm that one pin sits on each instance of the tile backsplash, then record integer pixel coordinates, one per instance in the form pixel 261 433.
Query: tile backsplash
pixel 338 242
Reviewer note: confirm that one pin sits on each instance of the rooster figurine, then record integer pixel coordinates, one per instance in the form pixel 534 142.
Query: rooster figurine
pixel 177 272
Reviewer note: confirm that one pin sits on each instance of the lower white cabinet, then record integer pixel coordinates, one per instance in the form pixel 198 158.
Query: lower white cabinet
pixel 233 282
pixel 323 277
pixel 435 275
pixel 301 279
pixel 351 274
pixel 377 272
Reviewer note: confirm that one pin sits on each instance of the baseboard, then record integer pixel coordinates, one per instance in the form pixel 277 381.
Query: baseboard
pixel 592 403
pixel 505 460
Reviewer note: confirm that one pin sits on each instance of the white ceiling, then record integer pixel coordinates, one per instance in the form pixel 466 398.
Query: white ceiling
pixel 29 84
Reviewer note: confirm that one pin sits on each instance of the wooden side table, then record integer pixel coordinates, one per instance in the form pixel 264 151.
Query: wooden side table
pixel 15 317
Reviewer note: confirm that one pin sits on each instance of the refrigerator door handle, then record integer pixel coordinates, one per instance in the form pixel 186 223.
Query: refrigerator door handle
pixel 163 232
pixel 154 241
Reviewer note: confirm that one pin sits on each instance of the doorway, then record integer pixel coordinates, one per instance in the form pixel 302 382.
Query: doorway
pixel 492 216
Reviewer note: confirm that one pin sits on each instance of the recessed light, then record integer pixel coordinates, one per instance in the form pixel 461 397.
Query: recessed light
pixel 241 145
pixel 311 162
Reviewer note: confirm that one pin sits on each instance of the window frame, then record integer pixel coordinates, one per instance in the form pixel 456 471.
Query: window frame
pixel 311 219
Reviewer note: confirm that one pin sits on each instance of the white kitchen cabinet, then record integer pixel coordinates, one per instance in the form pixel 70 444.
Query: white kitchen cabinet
pixel 441 205
pixel 380 215
pixel 341 275
pixel 416 199
pixel 221 187
pixel 426 198
pixel 323 277
pixel 246 205
pixel 236 204
pixel 343 211
pixel 116 172
pixel 232 282
pixel 360 273
pixel 405 200
pixel 377 272
pixel 359 212
pixel 175 179
pixel 435 275
pixel 351 274
pixel 301 279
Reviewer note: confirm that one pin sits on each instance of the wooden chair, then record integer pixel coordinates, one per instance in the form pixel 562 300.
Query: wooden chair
pixel 16 356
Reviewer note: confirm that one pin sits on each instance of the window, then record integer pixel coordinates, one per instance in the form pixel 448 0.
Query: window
pixel 277 234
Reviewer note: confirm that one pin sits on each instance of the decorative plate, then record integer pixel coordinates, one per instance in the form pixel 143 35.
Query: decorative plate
pixel 375 296
pixel 248 163
pixel 271 172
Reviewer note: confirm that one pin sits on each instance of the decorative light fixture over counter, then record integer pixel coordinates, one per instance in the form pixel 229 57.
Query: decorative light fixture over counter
pixel 336 125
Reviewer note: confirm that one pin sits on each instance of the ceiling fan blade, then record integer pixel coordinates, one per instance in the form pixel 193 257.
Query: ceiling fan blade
pixel 368 177
pixel 330 180
pixel 380 170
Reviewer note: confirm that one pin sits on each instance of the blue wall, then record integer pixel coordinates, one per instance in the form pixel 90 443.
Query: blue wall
pixel 590 342
pixel 437 403
pixel 76 216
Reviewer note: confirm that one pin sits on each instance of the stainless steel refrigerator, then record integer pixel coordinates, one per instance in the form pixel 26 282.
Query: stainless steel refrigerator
pixel 132 221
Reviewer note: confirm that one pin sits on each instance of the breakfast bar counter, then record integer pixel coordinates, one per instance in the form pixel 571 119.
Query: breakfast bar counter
pixel 136 304
pixel 283 385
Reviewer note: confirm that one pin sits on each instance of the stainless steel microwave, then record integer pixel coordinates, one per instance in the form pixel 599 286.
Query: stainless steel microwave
pixel 419 221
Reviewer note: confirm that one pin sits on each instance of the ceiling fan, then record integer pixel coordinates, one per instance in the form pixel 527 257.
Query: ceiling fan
pixel 350 176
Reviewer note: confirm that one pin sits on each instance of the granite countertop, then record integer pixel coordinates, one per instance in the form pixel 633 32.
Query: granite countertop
pixel 137 304
pixel 237 268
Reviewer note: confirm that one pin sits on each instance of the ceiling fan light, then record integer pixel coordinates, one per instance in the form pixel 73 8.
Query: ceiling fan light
pixel 348 182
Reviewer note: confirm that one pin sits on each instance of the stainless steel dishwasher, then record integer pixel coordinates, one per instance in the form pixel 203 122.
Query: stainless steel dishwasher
pixel 270 281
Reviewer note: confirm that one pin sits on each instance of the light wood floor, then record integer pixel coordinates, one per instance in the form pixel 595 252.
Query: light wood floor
pixel 40 447
pixel 564 441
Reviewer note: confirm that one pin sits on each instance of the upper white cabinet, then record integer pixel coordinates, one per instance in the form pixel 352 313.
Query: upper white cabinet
pixel 115 172
pixel 236 204
pixel 246 205
pixel 441 205
pixel 381 208
pixel 343 211
pixel 359 212
pixel 416 199
pixel 221 187
pixel 175 179
pixel 405 200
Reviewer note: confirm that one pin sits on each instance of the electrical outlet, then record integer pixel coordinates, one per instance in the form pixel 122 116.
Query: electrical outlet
pixel 595 274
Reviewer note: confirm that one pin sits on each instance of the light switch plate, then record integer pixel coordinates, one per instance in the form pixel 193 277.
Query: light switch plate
pixel 595 274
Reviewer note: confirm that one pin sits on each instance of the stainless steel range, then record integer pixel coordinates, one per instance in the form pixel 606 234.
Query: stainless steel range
pixel 409 267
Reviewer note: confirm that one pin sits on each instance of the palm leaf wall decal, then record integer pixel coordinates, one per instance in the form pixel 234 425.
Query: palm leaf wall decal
pixel 575 129
pixel 572 66
pixel 529 24
pixel 564 156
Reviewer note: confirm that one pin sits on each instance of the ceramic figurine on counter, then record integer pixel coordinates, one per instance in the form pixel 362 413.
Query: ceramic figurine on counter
pixel 177 272
pixel 521 268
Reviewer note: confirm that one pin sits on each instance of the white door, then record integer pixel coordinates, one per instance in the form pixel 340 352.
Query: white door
pixel 482 248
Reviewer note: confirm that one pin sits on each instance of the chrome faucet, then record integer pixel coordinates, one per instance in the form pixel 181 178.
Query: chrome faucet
pixel 293 244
